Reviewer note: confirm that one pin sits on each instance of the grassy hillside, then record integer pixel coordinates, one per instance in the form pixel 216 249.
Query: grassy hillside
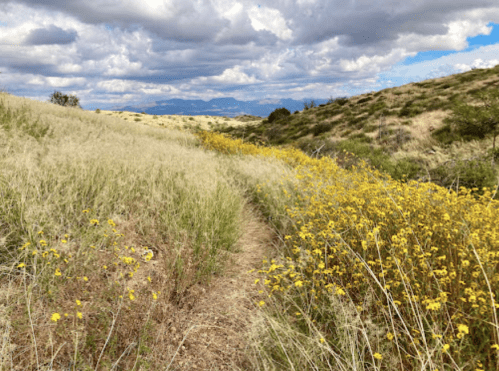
pixel 105 226
pixel 111 230
pixel 402 130
pixel 182 121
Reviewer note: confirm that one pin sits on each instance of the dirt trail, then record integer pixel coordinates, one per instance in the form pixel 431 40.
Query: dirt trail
pixel 212 320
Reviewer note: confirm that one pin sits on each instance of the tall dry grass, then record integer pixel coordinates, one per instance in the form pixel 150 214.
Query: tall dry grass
pixel 103 225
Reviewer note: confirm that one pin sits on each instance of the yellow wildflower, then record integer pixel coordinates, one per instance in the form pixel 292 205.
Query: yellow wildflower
pixel 55 317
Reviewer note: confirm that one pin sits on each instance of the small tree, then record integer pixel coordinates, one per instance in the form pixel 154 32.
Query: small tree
pixel 64 100
pixel 307 106
pixel 278 113
pixel 478 121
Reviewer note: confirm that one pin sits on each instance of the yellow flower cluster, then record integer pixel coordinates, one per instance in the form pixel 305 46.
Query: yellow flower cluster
pixel 121 263
pixel 417 245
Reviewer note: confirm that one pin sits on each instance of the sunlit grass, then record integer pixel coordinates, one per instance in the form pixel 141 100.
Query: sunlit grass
pixel 416 260
pixel 82 197
pixel 105 224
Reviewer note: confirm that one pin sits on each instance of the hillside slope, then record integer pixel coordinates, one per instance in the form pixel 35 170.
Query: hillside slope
pixel 404 125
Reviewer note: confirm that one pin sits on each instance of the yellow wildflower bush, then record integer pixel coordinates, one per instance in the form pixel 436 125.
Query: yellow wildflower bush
pixel 427 255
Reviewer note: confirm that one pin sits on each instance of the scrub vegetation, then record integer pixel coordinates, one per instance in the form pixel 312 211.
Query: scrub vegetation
pixel 385 256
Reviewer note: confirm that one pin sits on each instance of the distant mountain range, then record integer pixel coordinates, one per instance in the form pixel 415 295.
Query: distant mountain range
pixel 229 107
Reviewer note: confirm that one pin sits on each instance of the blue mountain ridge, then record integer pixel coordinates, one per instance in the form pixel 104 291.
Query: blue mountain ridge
pixel 229 107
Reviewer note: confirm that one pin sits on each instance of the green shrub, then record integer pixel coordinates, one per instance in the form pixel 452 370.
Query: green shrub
pixel 137 119
pixel 406 169
pixel 322 127
pixel 341 101
pixel 277 114
pixel 361 137
pixel 445 135
pixel 409 110
pixel 97 110
pixel 376 107
pixel 143 113
pixel 363 100
pixel 476 173
pixel 493 153
pixel 64 100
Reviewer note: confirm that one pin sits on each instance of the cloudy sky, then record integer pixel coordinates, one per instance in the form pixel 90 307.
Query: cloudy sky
pixel 112 53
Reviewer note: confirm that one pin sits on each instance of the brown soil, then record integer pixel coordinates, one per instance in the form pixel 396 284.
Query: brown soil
pixel 210 323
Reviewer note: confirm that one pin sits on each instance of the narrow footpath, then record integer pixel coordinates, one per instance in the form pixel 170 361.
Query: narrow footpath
pixel 212 321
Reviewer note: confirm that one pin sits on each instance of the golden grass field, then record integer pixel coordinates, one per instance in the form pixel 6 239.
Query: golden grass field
pixel 177 121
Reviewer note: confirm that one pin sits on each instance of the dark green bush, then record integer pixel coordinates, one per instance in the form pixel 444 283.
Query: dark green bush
pixel 375 156
pixel 64 100
pixel 477 173
pixel 97 110
pixel 445 135
pixel 376 107
pixel 444 86
pixel 277 114
pixel 493 152
pixel 363 100
pixel 322 127
pixel 406 169
pixel 341 101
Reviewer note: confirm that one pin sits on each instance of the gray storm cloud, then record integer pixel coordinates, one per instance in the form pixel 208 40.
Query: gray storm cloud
pixel 203 49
